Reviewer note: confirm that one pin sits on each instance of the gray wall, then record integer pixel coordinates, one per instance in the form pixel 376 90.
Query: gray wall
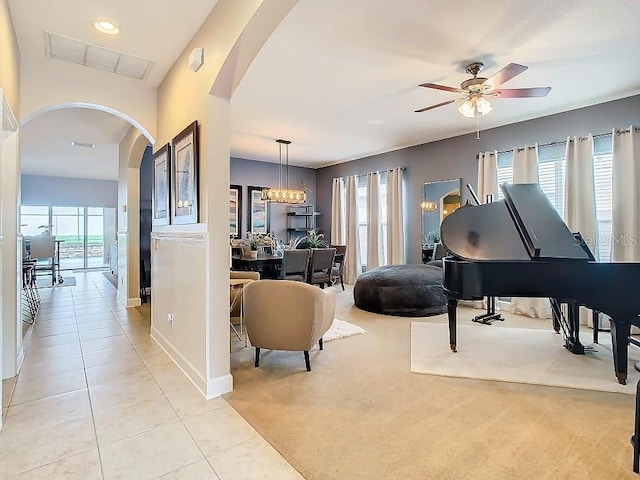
pixel 68 192
pixel 263 174
pixel 455 157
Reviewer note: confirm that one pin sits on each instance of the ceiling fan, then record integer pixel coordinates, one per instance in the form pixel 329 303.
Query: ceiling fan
pixel 476 90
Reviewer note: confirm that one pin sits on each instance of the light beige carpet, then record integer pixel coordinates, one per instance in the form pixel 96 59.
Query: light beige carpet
pixel 361 414
pixel 518 355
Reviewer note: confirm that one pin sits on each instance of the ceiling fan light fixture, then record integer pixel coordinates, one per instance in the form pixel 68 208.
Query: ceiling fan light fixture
pixel 467 109
pixel 483 106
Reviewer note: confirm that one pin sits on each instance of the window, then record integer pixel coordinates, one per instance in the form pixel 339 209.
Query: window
pixel 83 231
pixel 363 221
pixel 552 172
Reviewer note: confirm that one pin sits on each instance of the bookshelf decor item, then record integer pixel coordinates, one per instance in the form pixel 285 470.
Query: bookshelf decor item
pixel 184 176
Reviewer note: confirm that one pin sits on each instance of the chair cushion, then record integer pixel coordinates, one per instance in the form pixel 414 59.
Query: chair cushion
pixel 295 278
pixel 402 290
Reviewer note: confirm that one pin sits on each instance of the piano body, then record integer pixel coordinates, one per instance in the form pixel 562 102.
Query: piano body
pixel 520 247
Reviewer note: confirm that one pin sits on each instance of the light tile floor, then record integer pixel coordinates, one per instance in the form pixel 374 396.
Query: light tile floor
pixel 97 398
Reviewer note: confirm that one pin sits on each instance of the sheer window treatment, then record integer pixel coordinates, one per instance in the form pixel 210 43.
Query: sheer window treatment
pixel 337 209
pixel 374 222
pixel 487 175
pixel 525 170
pixel 395 227
pixel 626 195
pixel 352 262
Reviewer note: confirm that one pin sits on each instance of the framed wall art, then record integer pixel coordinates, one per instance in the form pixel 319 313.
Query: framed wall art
pixel 259 211
pixel 161 184
pixel 184 176
pixel 235 211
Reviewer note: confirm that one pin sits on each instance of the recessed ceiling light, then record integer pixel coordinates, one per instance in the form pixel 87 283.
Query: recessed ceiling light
pixel 106 27
pixel 83 144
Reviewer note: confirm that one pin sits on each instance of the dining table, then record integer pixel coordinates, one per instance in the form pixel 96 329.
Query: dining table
pixel 269 265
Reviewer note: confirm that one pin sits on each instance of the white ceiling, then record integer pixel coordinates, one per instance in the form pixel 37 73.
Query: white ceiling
pixel 157 30
pixel 45 144
pixel 340 79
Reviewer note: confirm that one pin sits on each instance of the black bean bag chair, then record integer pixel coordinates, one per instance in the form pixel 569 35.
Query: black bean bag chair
pixel 401 290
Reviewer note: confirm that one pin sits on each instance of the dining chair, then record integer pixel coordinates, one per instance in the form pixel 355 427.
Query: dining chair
pixel 337 271
pixel 320 267
pixel 43 249
pixel 295 265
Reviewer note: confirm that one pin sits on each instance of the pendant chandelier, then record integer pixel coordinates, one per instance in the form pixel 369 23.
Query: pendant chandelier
pixel 284 195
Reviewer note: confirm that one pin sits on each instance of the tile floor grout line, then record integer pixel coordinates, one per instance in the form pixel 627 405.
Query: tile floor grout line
pixel 86 380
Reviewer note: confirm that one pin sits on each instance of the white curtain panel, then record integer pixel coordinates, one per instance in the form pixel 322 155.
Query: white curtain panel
pixel 337 212
pixel 626 195
pixel 353 265
pixel 395 227
pixel 374 223
pixel 487 175
pixel 580 198
pixel 525 170
pixel 525 165
pixel 580 191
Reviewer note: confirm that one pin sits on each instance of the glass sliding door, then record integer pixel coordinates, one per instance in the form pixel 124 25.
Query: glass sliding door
pixel 84 232
pixel 95 252
pixel 69 226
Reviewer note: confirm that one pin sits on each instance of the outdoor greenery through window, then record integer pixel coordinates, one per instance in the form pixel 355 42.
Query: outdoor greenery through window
pixel 85 232
pixel 551 172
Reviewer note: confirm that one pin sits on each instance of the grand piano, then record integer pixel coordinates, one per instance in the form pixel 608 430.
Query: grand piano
pixel 520 247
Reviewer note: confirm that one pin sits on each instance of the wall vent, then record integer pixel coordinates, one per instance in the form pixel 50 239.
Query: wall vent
pixel 90 55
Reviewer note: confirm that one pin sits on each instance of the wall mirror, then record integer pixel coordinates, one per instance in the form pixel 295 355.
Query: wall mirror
pixel 439 199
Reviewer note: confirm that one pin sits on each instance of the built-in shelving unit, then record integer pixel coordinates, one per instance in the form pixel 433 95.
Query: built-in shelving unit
pixel 300 219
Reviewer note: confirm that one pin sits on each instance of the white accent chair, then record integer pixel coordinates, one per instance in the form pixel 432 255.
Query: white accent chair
pixel 287 315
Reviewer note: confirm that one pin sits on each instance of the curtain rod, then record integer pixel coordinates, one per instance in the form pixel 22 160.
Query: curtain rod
pixel 376 172
pixel 551 144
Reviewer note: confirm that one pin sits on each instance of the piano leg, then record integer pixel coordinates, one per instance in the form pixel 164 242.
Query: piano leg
pixel 572 342
pixel 452 306
pixel 554 315
pixel 620 340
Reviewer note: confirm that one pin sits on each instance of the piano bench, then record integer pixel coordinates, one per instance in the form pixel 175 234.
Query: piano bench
pixel 401 290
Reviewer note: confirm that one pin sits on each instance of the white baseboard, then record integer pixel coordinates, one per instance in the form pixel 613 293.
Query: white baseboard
pixel 133 302
pixel 211 388
pixel 182 363
pixel 218 386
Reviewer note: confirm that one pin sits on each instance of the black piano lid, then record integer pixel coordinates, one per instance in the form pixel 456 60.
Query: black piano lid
pixel 524 226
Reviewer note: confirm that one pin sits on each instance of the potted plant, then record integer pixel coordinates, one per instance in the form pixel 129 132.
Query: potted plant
pixel 315 239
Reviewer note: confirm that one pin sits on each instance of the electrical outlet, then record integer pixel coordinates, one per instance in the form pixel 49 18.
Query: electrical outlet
pixel 170 319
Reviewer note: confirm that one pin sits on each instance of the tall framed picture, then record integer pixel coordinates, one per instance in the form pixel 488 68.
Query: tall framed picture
pixel 184 176
pixel 259 211
pixel 235 211
pixel 161 183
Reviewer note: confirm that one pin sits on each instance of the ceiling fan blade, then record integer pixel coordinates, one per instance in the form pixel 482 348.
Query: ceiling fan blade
pixel 506 74
pixel 441 87
pixel 435 106
pixel 521 92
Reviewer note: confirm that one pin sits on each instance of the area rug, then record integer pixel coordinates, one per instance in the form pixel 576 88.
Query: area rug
pixel 341 329
pixel 517 355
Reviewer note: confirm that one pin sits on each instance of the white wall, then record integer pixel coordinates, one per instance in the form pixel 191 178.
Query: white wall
pixel 233 30
pixel 130 154
pixel 124 98
pixel 9 59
